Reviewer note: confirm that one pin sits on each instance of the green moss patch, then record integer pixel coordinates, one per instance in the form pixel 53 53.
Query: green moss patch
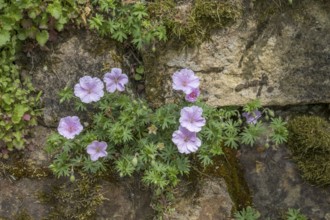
pixel 309 142
pixel 227 167
pixel 192 22
pixel 21 168
pixel 231 171
pixel 74 200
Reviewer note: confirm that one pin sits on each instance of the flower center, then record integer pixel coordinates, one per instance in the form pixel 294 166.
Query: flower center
pixel 191 120
pixel 89 91
pixel 98 149
pixel 192 95
pixel 71 128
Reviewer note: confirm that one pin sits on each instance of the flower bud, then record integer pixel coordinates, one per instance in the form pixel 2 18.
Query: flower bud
pixel 271 113
pixel 134 161
pixel 72 178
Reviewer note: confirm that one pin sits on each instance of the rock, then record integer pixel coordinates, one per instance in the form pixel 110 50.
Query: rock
pixel 25 199
pixel 75 55
pixel 210 201
pixel 282 59
pixel 21 198
pixel 279 186
pixel 124 201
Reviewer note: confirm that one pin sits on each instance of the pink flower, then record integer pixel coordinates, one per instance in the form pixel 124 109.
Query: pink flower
pixel 97 149
pixel 69 127
pixel 26 117
pixel 185 80
pixel 191 118
pixel 89 89
pixel 115 80
pixel 186 141
pixel 192 97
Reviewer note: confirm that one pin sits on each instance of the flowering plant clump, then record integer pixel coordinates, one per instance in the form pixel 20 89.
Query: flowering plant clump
pixel 125 132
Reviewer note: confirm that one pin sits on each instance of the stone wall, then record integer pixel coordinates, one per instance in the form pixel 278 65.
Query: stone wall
pixel 282 57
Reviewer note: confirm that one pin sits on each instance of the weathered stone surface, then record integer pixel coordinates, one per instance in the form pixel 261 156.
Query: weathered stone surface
pixel 210 201
pixel 22 198
pixel 276 183
pixel 73 56
pixel 283 60
pixel 125 200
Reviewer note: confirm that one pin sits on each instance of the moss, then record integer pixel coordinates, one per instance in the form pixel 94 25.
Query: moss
pixel 309 142
pixel 228 168
pixel 191 24
pixel 20 168
pixel 22 215
pixel 77 200
pixel 231 171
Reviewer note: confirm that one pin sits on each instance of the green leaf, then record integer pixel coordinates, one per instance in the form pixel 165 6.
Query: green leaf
pixel 7 99
pixel 137 77
pixel 4 37
pixel 55 10
pixel 42 37
pixel 2 4
pixel 140 70
pixel 247 213
pixel 18 113
pixel 119 36
pixel 22 35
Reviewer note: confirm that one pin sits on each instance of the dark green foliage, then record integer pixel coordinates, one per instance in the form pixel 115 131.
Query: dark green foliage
pixel 36 19
pixel 247 213
pixel 294 214
pixel 21 20
pixel 16 100
pixel 123 22
pixel 309 141
pixel 250 213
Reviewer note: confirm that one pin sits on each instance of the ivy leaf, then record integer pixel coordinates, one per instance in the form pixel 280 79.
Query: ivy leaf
pixel 7 99
pixel 42 37
pixel 18 113
pixel 55 10
pixel 4 37
pixel 137 77
pixel 140 70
